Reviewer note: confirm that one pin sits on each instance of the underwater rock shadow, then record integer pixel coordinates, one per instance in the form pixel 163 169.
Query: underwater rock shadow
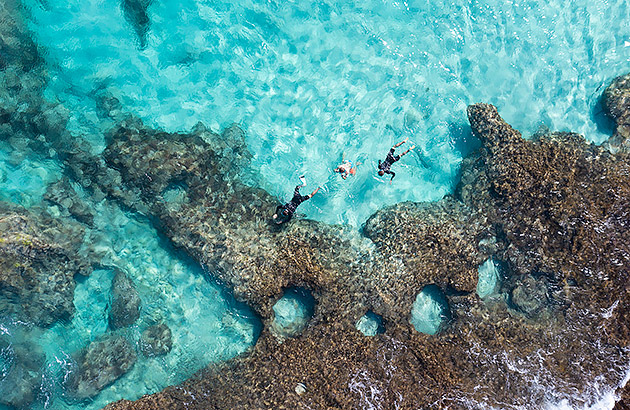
pixel 137 15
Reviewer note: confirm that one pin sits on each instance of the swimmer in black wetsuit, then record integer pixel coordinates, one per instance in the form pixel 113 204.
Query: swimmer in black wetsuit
pixel 384 167
pixel 285 212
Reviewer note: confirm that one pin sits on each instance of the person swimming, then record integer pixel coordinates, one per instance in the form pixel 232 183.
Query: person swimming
pixel 384 167
pixel 346 168
pixel 285 212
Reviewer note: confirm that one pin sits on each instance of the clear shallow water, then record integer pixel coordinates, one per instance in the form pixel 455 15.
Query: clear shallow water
pixel 430 310
pixel 311 80
pixel 308 81
pixel 206 323
pixel 489 275
pixel 23 180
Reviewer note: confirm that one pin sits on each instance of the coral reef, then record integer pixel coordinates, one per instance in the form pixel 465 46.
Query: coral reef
pixel 99 365
pixel 189 184
pixel 39 256
pixel 437 243
pixel 156 340
pixel 16 45
pixel 552 210
pixel 125 308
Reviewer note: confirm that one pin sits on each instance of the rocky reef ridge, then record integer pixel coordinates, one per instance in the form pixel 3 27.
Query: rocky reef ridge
pixel 39 257
pixel 553 210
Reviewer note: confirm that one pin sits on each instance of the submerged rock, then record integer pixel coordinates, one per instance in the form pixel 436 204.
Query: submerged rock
pixel 156 340
pixel 99 365
pixel 125 308
pixel 38 260
pixel 435 242
pixel 136 14
pixel 190 185
pixel 22 363
pixel 530 296
pixel 16 45
pixel 616 101
pixel 20 387
pixel 63 195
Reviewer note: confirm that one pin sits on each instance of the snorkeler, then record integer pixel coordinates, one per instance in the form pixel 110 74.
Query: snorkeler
pixel 346 168
pixel 384 167
pixel 285 212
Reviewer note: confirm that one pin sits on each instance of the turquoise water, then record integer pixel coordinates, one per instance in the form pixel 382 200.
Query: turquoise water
pixel 311 80
pixel 489 276
pixel 23 179
pixel 292 312
pixel 430 310
pixel 370 324
pixel 308 81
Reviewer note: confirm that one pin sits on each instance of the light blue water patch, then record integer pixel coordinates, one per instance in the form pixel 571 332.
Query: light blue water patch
pixel 24 179
pixel 489 275
pixel 430 310
pixel 370 324
pixel 292 312
pixel 312 80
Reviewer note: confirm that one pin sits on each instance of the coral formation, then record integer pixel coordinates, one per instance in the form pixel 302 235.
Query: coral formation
pixel 553 210
pixel 156 340
pixel 39 256
pixel 125 309
pixel 24 360
pixel 99 365
pixel 616 101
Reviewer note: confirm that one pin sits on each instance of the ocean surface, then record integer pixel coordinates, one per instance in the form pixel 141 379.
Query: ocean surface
pixel 310 82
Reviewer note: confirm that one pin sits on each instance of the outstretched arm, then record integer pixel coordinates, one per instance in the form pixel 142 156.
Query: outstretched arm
pixel 407 150
pixel 314 192
pixel 401 142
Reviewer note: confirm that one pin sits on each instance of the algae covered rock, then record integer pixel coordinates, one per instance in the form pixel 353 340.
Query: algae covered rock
pixel 39 257
pixel 16 45
pixel 530 296
pixel 435 241
pixel 616 101
pixel 125 308
pixel 156 340
pixel 100 364
pixel 192 186
pixel 63 195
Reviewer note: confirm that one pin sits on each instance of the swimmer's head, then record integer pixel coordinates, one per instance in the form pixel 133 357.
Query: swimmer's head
pixel 381 172
pixel 285 212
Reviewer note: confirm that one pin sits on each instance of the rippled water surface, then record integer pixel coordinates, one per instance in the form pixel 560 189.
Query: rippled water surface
pixel 308 82
pixel 311 80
